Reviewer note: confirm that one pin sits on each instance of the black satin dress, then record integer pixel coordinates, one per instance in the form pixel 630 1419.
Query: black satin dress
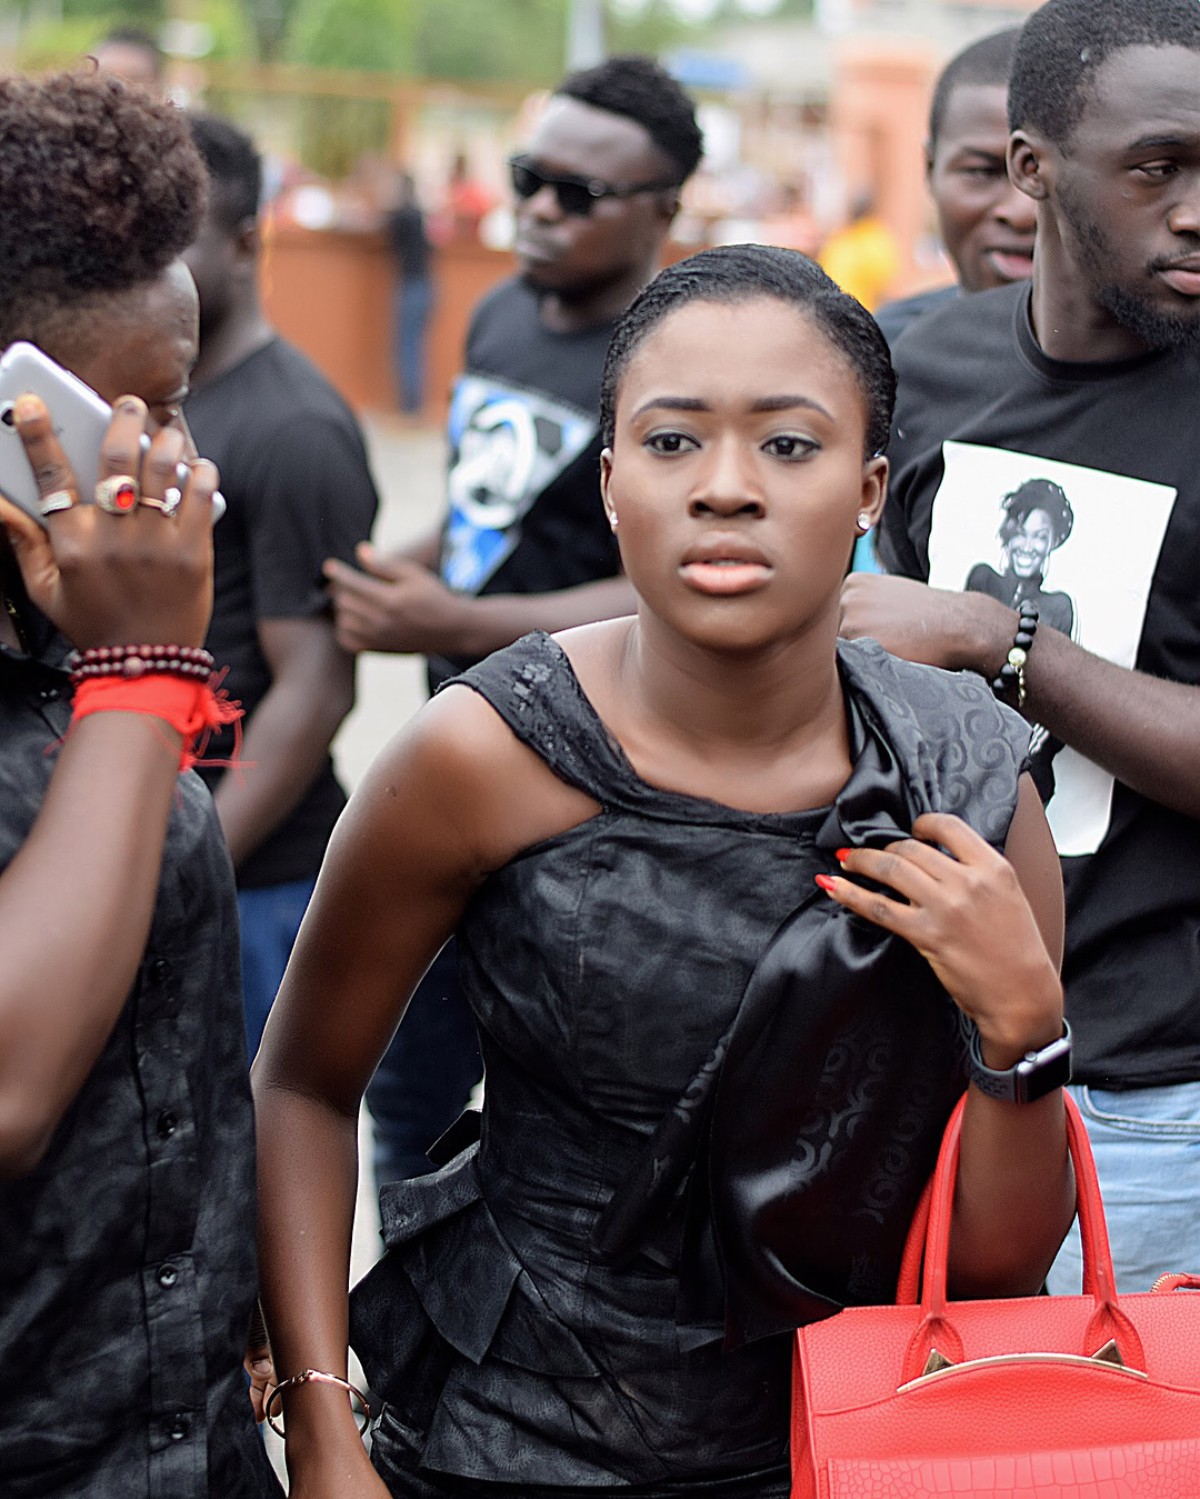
pixel 713 1098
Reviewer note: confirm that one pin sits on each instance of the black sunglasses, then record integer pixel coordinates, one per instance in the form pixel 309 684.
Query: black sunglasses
pixel 576 195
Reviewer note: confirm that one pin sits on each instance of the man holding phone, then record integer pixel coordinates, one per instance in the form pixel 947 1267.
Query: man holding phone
pixel 299 490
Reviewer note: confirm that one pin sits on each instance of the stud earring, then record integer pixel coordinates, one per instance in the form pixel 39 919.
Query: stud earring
pixel 612 520
pixel 864 522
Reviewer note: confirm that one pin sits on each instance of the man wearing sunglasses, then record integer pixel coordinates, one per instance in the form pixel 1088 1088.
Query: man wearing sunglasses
pixel 525 544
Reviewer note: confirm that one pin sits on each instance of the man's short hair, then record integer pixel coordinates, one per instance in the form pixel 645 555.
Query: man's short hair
pixel 1065 43
pixel 639 89
pixel 234 167
pixel 987 62
pixel 134 36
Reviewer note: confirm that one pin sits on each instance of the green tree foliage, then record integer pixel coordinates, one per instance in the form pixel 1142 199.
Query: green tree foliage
pixel 520 40
pixel 375 34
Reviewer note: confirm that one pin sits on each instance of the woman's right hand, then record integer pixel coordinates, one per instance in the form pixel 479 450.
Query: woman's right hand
pixel 143 577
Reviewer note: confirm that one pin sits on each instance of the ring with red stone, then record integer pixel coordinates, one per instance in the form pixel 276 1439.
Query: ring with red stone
pixel 118 494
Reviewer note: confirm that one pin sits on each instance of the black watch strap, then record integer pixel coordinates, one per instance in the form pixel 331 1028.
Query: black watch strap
pixel 1035 1075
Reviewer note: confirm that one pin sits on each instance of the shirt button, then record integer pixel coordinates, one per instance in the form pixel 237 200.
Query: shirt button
pixel 48 694
pixel 161 969
pixel 167 1275
pixel 168 1123
pixel 177 1427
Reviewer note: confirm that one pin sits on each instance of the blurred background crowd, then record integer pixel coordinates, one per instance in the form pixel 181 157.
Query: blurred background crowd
pixel 387 124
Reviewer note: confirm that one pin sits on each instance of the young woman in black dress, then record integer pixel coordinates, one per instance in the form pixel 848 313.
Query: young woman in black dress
pixel 718 1062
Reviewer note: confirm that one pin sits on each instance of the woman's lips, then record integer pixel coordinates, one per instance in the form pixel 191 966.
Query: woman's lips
pixel 725 576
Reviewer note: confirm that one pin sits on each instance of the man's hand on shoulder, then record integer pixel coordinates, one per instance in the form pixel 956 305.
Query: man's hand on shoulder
pixel 394 604
pixel 932 625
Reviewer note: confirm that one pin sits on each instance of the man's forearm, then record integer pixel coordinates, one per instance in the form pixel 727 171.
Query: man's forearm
pixel 1143 730
pixel 285 745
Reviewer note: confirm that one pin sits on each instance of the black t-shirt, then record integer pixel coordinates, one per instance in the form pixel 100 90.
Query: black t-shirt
pixel 894 318
pixel 294 472
pixel 524 512
pixel 982 413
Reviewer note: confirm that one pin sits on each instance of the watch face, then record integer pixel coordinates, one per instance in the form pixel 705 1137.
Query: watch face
pixel 1035 1075
pixel 1044 1071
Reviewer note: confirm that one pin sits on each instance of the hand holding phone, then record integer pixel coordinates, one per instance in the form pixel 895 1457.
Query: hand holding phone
pixel 112 579
pixel 81 418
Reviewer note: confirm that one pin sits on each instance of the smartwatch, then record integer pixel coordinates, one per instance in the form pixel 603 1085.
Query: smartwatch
pixel 1036 1074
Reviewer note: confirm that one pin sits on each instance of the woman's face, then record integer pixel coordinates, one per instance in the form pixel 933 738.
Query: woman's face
pixel 736 474
pixel 144 343
pixel 1030 544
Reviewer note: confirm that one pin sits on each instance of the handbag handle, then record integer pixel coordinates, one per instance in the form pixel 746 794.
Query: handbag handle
pixel 936 1330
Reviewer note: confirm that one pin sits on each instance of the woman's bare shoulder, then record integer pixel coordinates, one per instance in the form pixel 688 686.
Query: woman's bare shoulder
pixel 459 768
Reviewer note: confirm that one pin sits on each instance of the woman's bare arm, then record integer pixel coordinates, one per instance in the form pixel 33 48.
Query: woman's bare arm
pixel 452 798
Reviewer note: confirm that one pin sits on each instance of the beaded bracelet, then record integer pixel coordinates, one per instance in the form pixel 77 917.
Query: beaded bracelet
pixel 315 1376
pixel 1012 673
pixel 132 661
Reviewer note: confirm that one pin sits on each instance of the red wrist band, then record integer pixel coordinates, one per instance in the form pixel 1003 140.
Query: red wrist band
pixel 192 708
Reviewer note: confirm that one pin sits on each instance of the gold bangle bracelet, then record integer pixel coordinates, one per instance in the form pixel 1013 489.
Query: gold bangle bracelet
pixel 316 1376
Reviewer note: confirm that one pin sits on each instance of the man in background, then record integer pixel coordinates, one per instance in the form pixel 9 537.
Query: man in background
pixel 525 544
pixel 294 472
pixel 985 222
pixel 1046 438
pixel 133 56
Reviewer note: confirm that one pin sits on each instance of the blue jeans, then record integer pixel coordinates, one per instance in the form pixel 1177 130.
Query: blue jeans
pixel 413 305
pixel 1147 1147
pixel 425 1078
pixel 270 918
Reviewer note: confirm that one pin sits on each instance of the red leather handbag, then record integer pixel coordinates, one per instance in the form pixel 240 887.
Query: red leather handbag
pixel 1053 1397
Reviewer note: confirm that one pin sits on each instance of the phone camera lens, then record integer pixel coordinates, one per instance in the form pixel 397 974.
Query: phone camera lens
pixel 6 415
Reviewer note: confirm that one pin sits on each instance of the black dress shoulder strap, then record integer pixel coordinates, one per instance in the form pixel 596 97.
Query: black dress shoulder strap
pixel 533 688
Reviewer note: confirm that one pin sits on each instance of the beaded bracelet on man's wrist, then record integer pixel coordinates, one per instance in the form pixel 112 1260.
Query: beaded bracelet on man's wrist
pixel 1009 685
pixel 132 661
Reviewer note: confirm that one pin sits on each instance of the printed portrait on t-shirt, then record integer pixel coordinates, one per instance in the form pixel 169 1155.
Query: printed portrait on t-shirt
pixel 1037 520
pixel 507 446
pixel 1080 543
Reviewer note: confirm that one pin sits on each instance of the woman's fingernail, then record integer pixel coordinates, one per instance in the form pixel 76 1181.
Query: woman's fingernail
pixel 843 854
pixel 826 883
pixel 27 408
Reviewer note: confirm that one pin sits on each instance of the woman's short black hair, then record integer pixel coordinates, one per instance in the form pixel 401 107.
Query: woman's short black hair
pixel 641 90
pixel 1037 494
pixel 101 188
pixel 744 273
pixel 1063 44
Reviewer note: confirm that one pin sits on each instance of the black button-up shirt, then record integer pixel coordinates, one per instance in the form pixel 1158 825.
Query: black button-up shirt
pixel 127 1268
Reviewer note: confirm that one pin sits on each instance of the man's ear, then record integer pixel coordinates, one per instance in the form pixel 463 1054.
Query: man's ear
pixel 928 151
pixel 247 239
pixel 1027 159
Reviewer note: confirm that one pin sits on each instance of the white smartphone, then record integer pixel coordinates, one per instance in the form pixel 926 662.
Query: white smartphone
pixel 80 419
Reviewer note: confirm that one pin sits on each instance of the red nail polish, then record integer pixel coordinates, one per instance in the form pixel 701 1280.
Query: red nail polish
pixel 843 854
pixel 826 883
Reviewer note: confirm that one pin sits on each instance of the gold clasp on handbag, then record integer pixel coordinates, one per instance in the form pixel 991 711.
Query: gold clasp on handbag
pixel 938 1366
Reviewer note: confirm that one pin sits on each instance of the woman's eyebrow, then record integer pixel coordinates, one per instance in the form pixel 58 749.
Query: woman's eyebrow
pixel 766 403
